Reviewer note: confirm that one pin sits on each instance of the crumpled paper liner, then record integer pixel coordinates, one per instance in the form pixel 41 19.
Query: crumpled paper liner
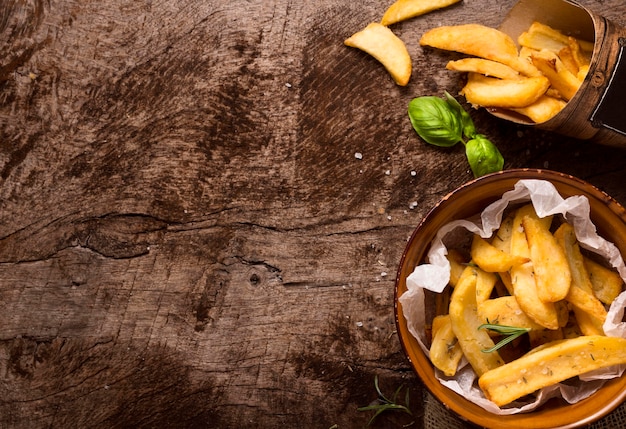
pixel 435 274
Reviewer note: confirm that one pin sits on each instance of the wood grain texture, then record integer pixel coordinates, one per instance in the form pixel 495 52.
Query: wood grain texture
pixel 187 238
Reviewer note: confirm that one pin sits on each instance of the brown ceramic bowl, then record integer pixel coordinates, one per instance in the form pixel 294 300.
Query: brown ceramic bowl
pixel 470 199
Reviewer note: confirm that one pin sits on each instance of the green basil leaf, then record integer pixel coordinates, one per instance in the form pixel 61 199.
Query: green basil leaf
pixel 435 121
pixel 469 130
pixel 483 156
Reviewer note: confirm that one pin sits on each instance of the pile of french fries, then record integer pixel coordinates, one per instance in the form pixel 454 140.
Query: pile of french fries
pixel 536 80
pixel 531 275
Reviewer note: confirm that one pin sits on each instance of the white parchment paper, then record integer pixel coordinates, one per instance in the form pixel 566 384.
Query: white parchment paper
pixel 435 274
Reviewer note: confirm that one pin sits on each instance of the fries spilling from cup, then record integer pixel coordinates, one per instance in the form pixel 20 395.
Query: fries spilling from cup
pixel 535 80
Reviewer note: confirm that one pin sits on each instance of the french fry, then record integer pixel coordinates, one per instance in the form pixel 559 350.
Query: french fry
pixel 581 58
pixel 491 259
pixel 560 77
pixel 483 66
pixel 457 265
pixel 381 43
pixel 485 283
pixel 567 57
pixel 540 36
pixel 551 364
pixel 507 93
pixel 542 110
pixel 547 258
pixel 505 310
pixel 406 9
pixel 589 311
pixel 479 41
pixel 606 284
pixel 445 352
pixel 465 323
pixel 522 276
pixel 502 238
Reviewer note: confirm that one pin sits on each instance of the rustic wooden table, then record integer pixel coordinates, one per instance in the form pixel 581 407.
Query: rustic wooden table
pixel 187 237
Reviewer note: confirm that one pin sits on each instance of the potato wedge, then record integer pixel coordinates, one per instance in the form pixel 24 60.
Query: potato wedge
pixel 485 67
pixel 506 311
pixel 542 110
pixel 606 283
pixel 405 9
pixel 491 259
pixel 547 258
pixel 465 323
pixel 445 352
pixel 551 364
pixel 507 93
pixel 479 41
pixel 381 43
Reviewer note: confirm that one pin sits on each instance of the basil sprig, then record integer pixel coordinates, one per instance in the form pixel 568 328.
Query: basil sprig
pixel 444 123
pixel 510 333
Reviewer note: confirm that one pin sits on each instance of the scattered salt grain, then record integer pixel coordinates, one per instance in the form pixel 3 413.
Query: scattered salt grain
pixel 359 324
pixel 358 155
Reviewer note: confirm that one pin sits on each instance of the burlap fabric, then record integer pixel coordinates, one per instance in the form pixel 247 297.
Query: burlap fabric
pixel 436 416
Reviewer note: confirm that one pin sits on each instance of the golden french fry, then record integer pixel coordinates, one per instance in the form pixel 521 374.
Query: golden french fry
pixel 445 352
pixel 506 311
pixel 525 291
pixel 540 36
pixel 606 283
pixel 485 282
pixel 381 43
pixel 406 9
pixel 519 244
pixel 479 41
pixel 567 58
pixel 589 311
pixel 551 364
pixel 491 259
pixel 438 322
pixel 502 239
pixel 547 258
pixel 465 323
pixel 483 66
pixel 582 59
pixel 457 265
pixel 507 93
pixel 582 72
pixel 543 109
pixel 522 276
pixel 560 78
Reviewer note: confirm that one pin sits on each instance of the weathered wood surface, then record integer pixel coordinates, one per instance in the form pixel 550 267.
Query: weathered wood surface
pixel 186 236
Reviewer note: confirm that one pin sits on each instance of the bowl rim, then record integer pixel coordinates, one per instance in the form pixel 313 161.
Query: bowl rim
pixel 613 392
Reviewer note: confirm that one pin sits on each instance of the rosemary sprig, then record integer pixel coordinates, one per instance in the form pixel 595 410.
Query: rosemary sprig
pixel 510 332
pixel 386 404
